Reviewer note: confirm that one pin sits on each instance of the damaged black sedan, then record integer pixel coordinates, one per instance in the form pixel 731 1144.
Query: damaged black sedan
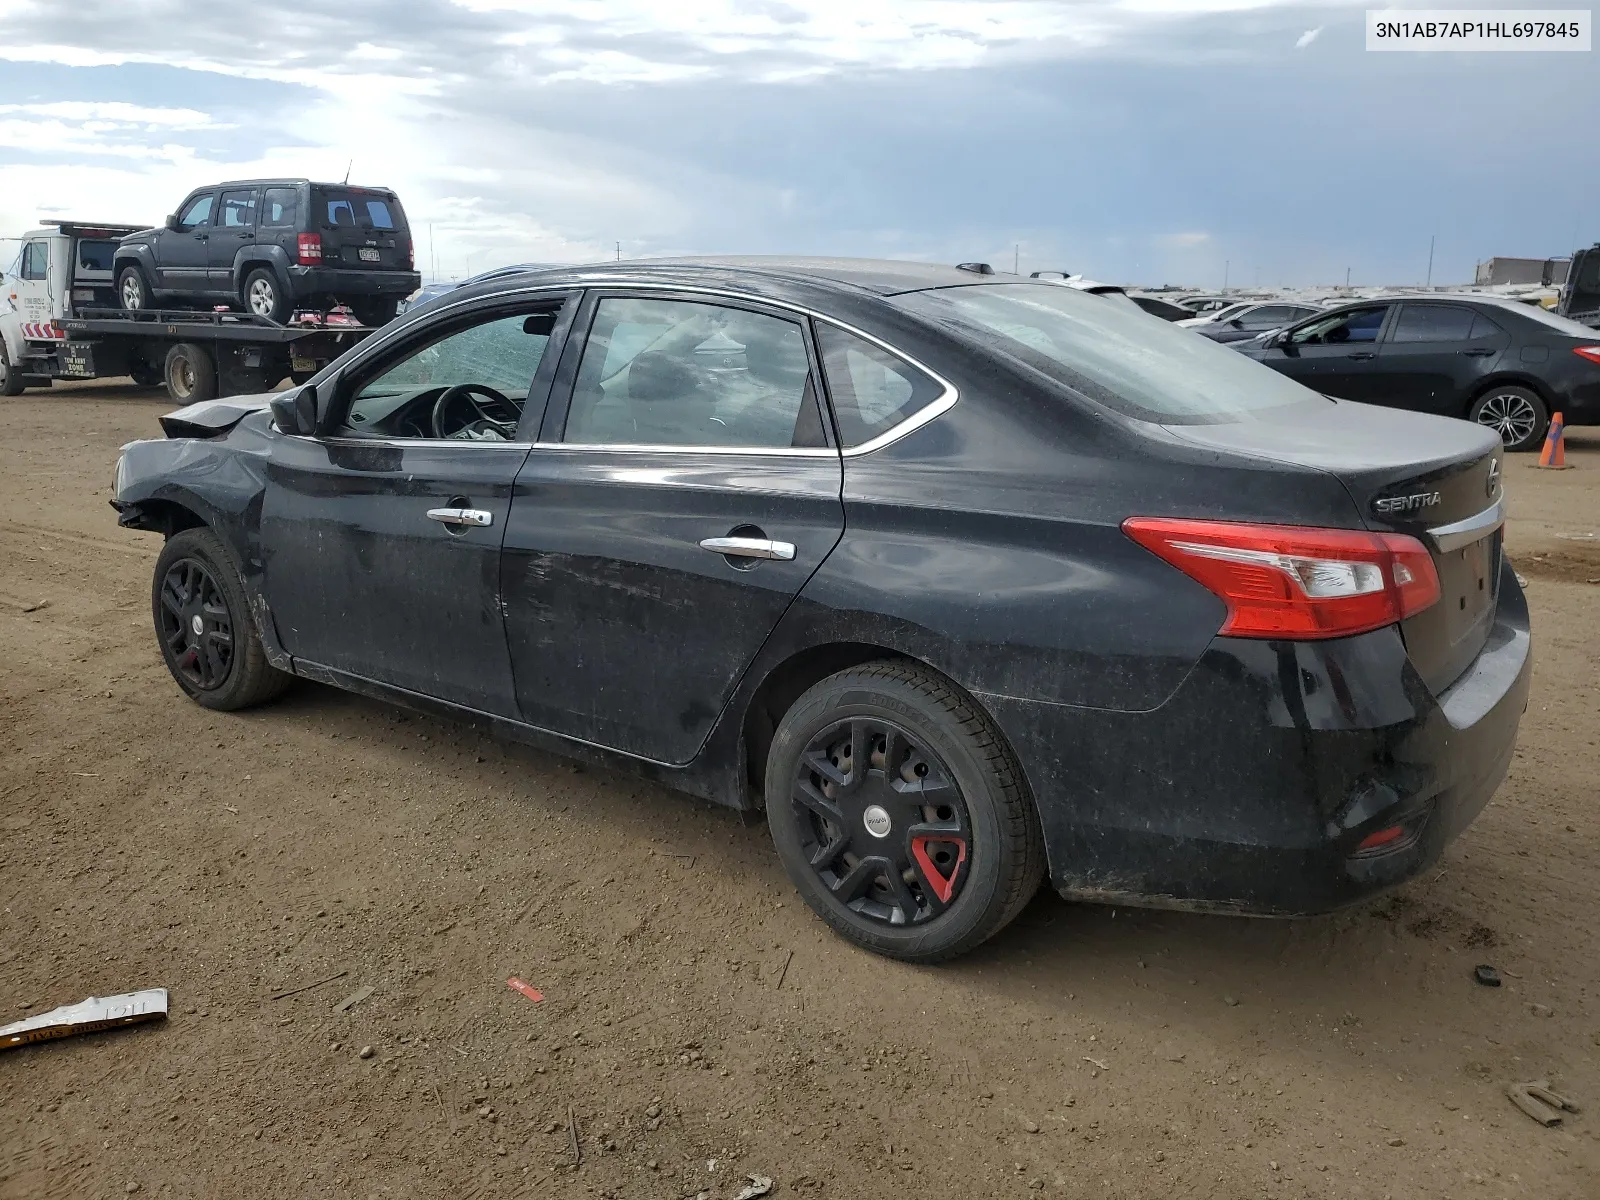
pixel 965 581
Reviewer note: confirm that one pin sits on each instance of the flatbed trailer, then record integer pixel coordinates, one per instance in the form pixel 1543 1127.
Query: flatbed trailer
pixel 198 355
pixel 59 320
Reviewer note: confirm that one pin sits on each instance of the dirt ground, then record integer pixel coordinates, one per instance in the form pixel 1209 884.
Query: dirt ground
pixel 699 1025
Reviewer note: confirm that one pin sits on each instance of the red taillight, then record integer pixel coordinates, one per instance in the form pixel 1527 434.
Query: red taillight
pixel 1380 839
pixel 308 250
pixel 1287 581
pixel 1592 353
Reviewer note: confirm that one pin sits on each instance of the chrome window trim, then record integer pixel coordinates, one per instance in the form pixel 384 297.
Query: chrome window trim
pixel 337 440
pixel 931 411
pixel 1470 529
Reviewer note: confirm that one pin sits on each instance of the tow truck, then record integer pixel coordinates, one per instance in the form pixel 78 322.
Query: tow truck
pixel 59 319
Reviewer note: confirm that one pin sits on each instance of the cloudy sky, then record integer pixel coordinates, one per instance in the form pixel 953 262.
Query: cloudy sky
pixel 1133 140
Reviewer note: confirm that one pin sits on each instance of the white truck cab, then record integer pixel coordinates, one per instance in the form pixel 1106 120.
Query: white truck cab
pixel 59 270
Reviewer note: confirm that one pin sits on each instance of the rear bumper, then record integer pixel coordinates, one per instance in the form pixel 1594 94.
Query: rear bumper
pixel 1251 787
pixel 337 281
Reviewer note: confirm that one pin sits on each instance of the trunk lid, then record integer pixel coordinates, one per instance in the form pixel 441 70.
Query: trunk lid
pixel 362 228
pixel 1431 477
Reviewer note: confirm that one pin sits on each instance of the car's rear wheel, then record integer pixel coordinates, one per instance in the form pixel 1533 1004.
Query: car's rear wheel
pixel 191 373
pixel 900 813
pixel 133 292
pixel 1518 414
pixel 375 310
pixel 263 297
pixel 208 639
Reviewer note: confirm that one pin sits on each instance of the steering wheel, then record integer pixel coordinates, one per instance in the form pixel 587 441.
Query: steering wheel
pixel 469 393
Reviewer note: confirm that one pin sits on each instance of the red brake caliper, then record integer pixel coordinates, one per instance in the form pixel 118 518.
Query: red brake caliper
pixel 944 886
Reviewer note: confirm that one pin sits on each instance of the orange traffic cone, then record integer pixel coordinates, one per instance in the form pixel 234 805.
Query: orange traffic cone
pixel 1554 455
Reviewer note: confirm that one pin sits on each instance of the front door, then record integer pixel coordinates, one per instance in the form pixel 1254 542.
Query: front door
pixel 183 254
pixel 1334 354
pixel 1434 357
pixel 382 544
pixel 233 230
pixel 683 491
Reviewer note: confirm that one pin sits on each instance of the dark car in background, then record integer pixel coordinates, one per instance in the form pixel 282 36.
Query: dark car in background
pixel 1253 320
pixel 966 582
pixel 269 246
pixel 1505 365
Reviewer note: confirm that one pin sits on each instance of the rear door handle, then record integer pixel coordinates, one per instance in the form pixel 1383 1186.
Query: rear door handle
pixel 1479 352
pixel 744 547
pixel 461 518
pixel 1361 356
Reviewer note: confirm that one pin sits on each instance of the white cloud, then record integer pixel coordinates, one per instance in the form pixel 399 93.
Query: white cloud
pixel 1306 38
pixel 1183 240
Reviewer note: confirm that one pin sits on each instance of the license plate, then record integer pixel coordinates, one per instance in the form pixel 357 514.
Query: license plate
pixel 77 360
pixel 369 254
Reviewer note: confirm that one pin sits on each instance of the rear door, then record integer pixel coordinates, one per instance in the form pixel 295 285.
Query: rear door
pixel 183 254
pixel 1435 356
pixel 1333 354
pixel 683 491
pixel 235 229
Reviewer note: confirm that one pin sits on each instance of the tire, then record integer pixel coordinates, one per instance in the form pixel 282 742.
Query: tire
pixel 263 296
pixel 222 674
pixel 11 381
pixel 375 311
pixel 144 375
pixel 956 756
pixel 190 373
pixel 1518 414
pixel 133 289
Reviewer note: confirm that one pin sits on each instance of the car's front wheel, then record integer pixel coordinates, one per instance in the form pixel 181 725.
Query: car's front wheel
pixel 132 290
pixel 208 639
pixel 900 813
pixel 1518 414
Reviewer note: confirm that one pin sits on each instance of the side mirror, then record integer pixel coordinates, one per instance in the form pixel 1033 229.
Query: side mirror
pixel 296 412
pixel 172 222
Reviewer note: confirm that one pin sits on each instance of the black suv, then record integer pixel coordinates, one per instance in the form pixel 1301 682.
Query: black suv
pixel 271 245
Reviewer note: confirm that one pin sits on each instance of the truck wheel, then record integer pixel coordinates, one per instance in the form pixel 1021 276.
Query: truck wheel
pixel 143 374
pixel 11 382
pixel 263 297
pixel 132 290
pixel 191 373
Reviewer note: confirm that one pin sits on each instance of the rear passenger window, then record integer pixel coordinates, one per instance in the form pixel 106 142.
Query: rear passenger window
pixel 681 373
pixel 238 209
pixel 1433 323
pixel 278 206
pixel 872 390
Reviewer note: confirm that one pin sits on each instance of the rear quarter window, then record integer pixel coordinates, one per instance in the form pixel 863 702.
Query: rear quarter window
pixel 1112 355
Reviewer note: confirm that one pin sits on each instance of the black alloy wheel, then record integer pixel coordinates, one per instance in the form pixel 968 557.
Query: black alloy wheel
pixel 196 630
pixel 882 822
pixel 900 813
pixel 203 624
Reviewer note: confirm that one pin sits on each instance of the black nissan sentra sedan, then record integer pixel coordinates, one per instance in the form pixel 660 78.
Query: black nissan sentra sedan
pixel 965 581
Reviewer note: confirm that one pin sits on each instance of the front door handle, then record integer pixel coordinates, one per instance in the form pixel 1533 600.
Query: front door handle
pixel 746 547
pixel 461 518
pixel 1361 356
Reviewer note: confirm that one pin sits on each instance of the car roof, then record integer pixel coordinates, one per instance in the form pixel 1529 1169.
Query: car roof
pixel 774 274
pixel 288 181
